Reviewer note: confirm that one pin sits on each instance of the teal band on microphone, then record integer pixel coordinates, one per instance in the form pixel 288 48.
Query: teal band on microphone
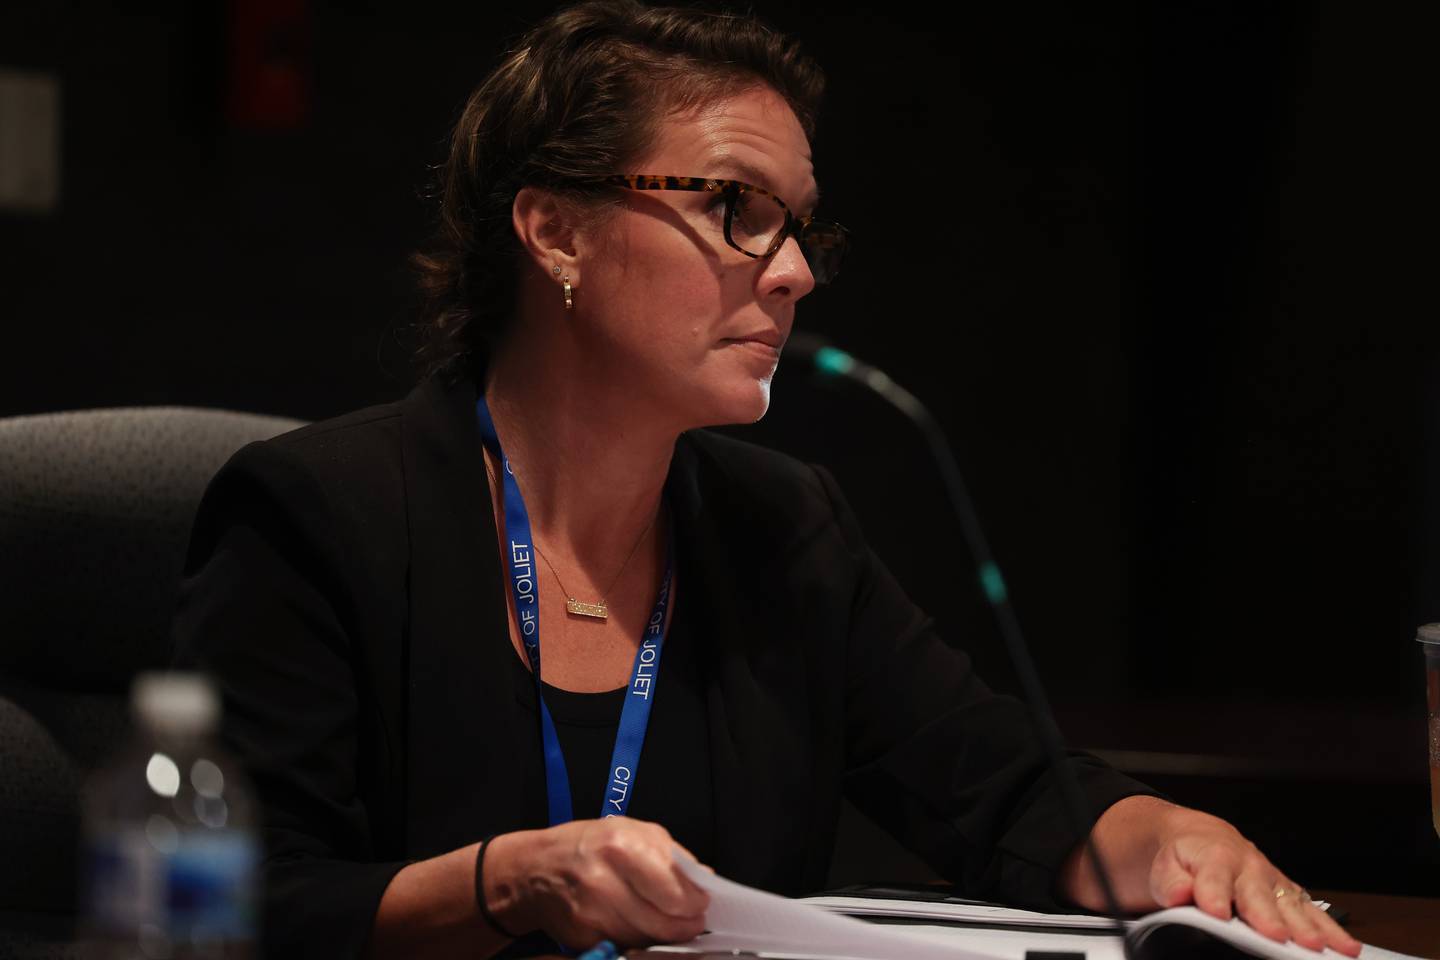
pixel 833 361
pixel 993 583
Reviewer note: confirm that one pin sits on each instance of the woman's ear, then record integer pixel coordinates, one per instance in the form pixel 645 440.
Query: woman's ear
pixel 546 227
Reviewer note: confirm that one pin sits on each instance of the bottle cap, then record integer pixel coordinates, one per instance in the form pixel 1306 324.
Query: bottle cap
pixel 175 703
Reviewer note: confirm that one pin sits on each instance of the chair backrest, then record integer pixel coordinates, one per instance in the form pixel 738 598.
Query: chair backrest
pixel 95 514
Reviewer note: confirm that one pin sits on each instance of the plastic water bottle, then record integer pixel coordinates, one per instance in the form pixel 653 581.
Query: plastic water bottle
pixel 170 852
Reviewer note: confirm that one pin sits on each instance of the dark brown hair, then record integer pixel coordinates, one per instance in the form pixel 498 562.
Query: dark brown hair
pixel 579 96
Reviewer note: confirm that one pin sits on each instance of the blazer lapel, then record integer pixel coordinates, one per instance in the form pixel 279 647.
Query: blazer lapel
pixel 754 748
pixel 461 706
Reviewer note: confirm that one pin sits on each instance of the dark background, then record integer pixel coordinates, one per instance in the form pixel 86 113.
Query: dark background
pixel 1157 269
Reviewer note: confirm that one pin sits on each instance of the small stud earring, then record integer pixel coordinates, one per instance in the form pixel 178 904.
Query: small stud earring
pixel 555 270
pixel 569 295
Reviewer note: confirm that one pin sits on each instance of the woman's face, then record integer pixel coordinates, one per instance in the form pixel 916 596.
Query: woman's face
pixel 693 325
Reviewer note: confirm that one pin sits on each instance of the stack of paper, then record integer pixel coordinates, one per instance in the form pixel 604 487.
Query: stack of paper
pixel 743 920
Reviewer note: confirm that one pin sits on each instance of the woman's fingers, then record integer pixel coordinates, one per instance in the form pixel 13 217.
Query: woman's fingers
pixel 1171 882
pixel 645 858
pixel 624 884
pixel 1289 916
pixel 1295 910
pixel 657 899
pixel 636 922
pixel 598 909
pixel 1255 901
pixel 1280 909
pixel 668 890
pixel 1334 935
pixel 1207 861
pixel 1215 887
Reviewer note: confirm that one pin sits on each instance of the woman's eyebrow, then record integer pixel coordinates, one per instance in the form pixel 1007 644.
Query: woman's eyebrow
pixel 737 169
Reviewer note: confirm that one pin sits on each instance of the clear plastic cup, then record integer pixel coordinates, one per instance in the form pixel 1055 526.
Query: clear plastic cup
pixel 1429 637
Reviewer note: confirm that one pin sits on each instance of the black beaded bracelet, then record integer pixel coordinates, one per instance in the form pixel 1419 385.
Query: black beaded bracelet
pixel 480 891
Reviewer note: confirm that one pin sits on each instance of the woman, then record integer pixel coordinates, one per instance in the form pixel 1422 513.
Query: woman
pixel 626 230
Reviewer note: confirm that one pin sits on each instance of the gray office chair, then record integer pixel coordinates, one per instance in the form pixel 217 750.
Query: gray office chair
pixel 95 513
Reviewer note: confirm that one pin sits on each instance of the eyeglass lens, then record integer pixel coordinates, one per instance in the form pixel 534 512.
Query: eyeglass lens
pixel 756 225
pixel 824 247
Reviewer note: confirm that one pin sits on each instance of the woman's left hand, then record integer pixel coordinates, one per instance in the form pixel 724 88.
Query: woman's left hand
pixel 1163 855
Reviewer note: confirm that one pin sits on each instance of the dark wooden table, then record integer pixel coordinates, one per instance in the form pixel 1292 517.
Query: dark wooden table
pixel 1406 924
pixel 1339 801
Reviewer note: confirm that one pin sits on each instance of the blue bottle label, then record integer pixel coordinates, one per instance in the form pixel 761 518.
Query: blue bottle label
pixel 188 886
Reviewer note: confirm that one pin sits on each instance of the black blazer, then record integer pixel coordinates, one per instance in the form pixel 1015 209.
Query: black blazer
pixel 344 588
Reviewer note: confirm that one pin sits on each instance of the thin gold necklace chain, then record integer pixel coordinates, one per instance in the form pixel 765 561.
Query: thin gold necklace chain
pixel 616 579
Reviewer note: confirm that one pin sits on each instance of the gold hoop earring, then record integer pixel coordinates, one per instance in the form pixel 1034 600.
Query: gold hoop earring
pixel 569 295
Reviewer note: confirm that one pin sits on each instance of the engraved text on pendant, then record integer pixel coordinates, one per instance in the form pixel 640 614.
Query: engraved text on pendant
pixel 596 610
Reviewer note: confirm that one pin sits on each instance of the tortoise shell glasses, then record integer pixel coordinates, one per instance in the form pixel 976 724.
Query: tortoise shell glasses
pixel 756 221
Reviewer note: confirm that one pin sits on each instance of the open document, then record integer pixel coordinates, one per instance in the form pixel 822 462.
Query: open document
pixel 744 920
pixel 741 918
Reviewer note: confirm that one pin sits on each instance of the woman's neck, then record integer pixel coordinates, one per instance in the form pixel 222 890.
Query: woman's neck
pixel 590 464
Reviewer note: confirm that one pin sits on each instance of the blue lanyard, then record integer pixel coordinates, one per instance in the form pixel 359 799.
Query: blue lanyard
pixel 644 679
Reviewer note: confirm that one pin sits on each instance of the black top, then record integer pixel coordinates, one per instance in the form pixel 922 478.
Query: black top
pixel 672 784
pixel 344 587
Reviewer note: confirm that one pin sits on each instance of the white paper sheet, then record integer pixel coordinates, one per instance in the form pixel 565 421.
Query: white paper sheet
pixel 751 921
pixel 741 918
pixel 1242 935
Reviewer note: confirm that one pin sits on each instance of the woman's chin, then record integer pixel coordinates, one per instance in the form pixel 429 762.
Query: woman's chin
pixel 761 402
pixel 745 403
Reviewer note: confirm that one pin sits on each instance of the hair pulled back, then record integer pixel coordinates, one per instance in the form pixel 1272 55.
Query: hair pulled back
pixel 580 95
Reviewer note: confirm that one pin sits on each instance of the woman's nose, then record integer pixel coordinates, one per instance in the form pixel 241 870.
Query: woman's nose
pixel 787 274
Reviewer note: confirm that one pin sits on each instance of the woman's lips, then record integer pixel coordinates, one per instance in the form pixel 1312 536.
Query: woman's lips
pixel 754 345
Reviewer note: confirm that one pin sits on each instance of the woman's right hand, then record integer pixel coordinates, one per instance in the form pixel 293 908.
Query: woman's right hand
pixel 592 880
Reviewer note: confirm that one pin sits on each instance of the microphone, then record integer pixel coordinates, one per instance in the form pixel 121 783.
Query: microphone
pixel 827 360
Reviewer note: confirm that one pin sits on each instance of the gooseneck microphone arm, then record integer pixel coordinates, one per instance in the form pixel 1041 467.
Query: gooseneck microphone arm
pixel 831 361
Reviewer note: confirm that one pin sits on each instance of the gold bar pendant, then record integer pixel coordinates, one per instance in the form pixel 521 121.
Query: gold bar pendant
pixel 596 610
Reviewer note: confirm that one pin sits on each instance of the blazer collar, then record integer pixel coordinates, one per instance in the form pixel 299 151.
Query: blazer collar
pixel 461 725
pixel 759 836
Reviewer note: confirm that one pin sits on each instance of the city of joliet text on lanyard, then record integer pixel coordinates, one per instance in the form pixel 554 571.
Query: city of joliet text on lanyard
pixel 644 677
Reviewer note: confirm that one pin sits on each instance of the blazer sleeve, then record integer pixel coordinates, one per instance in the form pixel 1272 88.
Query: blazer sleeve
pixel 950 768
pixel 261 611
